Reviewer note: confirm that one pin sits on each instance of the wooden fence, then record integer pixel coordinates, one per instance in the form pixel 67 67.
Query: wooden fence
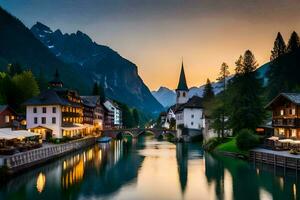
pixel 275 160
pixel 33 157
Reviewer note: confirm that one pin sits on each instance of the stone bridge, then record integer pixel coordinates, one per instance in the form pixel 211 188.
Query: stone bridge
pixel 136 132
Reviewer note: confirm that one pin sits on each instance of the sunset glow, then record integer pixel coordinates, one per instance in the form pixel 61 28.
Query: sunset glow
pixel 155 35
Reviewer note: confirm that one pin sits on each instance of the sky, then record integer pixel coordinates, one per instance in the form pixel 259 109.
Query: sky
pixel 157 34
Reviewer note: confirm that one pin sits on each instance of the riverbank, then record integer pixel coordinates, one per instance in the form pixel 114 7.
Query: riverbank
pixel 225 146
pixel 22 161
pixel 275 158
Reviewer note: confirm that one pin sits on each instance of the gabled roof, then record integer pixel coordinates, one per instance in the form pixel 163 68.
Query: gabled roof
pixel 90 100
pixel 51 97
pixel 4 107
pixel 182 81
pixel 113 103
pixel 293 97
pixel 194 102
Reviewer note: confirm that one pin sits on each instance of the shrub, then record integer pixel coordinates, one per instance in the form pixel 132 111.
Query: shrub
pixel 212 143
pixel 246 139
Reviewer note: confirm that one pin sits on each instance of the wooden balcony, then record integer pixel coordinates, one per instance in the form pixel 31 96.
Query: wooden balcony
pixel 281 122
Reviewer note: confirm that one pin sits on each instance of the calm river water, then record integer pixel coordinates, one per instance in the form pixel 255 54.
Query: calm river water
pixel 150 169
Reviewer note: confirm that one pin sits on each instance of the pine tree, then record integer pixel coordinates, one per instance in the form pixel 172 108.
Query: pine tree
pixel 127 117
pixel 136 117
pixel 294 42
pixel 42 82
pixel 279 48
pixel 208 92
pixel 219 112
pixel 277 73
pixel 244 95
pixel 223 75
pixel 13 69
pixel 102 93
pixel 96 90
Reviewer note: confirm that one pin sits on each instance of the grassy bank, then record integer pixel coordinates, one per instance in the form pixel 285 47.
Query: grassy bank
pixel 225 146
pixel 231 147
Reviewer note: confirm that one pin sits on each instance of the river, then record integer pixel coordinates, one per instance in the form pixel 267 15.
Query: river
pixel 152 170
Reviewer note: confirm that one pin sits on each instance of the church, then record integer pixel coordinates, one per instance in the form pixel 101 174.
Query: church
pixel 187 112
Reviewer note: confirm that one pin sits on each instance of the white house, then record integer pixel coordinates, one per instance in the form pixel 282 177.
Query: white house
pixel 56 112
pixel 113 107
pixel 189 113
pixel 190 119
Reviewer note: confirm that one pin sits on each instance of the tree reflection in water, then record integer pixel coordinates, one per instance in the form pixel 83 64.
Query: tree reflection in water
pixel 133 170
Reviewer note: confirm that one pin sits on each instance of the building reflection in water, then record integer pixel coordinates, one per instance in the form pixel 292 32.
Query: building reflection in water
pixel 182 164
pixel 40 182
pixel 103 155
pixel 134 170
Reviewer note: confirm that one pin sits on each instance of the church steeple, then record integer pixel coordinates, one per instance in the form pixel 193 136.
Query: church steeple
pixel 182 88
pixel 182 81
pixel 56 82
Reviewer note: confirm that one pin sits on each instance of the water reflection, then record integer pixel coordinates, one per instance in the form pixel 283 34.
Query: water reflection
pixel 150 169
pixel 40 182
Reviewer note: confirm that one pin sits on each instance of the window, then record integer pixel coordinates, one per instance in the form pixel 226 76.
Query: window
pixel 281 112
pixel 44 109
pixel 183 94
pixel 192 123
pixel 43 120
pixel 293 111
pixel 53 120
pixel 34 110
pixel 53 109
pixel 192 116
pixel 35 120
pixel 294 133
pixel 6 118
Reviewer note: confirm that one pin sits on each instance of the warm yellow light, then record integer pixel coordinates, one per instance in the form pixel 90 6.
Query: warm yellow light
pixel 295 191
pixel 41 182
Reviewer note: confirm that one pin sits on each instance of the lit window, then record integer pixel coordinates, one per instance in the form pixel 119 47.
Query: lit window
pixel 6 118
pixel 293 111
pixel 281 112
pixel 294 133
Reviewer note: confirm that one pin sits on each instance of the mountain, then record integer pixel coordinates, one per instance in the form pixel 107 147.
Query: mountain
pixel 18 44
pixel 101 64
pixel 80 61
pixel 167 97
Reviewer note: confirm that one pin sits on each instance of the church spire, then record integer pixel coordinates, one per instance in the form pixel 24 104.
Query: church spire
pixel 182 81
pixel 56 82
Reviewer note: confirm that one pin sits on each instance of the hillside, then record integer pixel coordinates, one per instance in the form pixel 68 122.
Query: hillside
pixel 80 63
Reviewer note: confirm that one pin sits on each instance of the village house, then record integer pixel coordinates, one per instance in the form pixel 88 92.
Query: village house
pixel 188 112
pixel 93 111
pixel 56 112
pixel 7 116
pixel 114 113
pixel 285 115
